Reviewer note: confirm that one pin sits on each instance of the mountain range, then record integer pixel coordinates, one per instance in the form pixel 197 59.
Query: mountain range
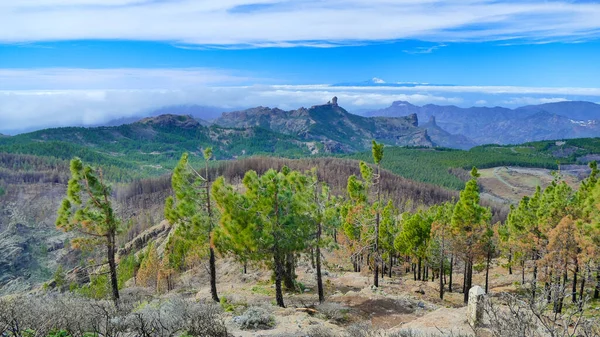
pixel 498 125
pixel 333 126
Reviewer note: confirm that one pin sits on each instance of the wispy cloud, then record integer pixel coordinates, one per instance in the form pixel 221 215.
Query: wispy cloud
pixel 424 50
pixel 281 23
pixel 121 78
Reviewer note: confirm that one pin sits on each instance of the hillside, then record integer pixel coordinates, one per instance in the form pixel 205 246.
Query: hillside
pixel 31 247
pixel 153 145
pixel 448 167
pixel 498 125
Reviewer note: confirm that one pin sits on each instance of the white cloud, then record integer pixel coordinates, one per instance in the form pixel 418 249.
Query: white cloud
pixel 35 98
pixel 533 100
pixel 297 22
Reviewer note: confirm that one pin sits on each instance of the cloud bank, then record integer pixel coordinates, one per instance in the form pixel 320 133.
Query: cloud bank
pixel 288 23
pixel 38 98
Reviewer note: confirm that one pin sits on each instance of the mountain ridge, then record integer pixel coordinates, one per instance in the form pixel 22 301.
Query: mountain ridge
pixel 500 125
pixel 333 125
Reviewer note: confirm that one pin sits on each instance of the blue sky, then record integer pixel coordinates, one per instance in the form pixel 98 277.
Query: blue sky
pixel 468 63
pixel 68 62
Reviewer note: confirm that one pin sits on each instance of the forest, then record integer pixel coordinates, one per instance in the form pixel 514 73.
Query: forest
pixel 284 211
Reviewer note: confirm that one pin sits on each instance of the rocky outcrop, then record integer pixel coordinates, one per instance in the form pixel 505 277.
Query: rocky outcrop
pixel 152 234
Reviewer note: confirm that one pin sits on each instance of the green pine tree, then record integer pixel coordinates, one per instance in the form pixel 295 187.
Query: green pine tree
pixel 87 210
pixel 276 210
pixel 469 224
pixel 193 212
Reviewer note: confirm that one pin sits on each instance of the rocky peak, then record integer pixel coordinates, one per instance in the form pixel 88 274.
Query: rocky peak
pixel 432 121
pixel 333 101
pixel 169 120
pixel 413 119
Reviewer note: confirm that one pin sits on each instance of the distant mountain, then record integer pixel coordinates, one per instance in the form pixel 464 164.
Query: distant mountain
pixel 500 125
pixel 333 126
pixel 576 110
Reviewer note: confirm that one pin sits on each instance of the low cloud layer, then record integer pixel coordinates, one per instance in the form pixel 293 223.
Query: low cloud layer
pixel 277 23
pixel 38 98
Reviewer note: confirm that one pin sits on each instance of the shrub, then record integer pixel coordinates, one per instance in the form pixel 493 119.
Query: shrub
pixel 66 315
pixel 255 318
pixel 333 311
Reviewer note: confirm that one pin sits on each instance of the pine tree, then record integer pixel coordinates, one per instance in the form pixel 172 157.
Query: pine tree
pixel 192 211
pixel 377 150
pixel 361 218
pixel 87 210
pixel 326 217
pixel 277 208
pixel 441 230
pixel 388 232
pixel 469 221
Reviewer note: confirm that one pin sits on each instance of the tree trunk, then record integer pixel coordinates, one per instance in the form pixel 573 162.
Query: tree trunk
pixel 510 262
pixel 391 264
pixel 289 274
pixel 213 276
pixel 549 286
pixel 451 269
pixel 574 288
pixel 382 268
pixel 318 261
pixel 468 281
pixel 419 271
pixel 487 270
pixel 414 268
pixel 534 281
pixel 278 278
pixel 245 267
pixel 582 288
pixel 465 276
pixel 442 276
pixel 111 250
pixel 523 273
pixel 312 258
pixel 597 287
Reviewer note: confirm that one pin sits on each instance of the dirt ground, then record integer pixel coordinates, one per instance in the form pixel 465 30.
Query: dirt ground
pixel 510 184
pixel 399 302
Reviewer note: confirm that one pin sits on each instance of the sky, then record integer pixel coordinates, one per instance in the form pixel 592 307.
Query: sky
pixel 84 62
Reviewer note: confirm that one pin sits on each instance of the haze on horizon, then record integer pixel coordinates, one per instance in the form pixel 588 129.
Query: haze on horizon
pixel 84 62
